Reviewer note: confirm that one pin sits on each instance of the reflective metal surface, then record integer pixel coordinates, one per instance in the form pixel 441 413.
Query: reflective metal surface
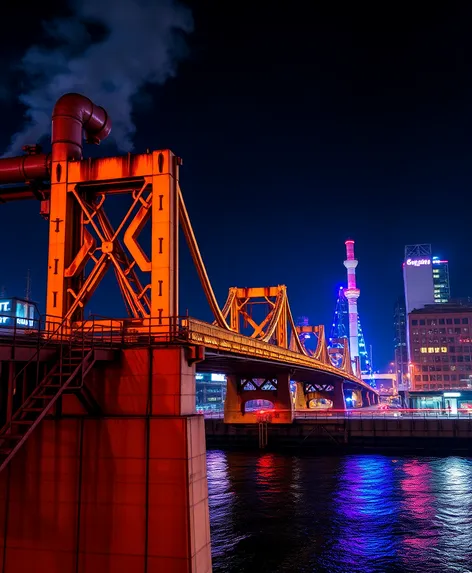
pixel 274 513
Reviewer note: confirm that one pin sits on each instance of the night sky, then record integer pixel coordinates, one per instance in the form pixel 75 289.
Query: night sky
pixel 298 129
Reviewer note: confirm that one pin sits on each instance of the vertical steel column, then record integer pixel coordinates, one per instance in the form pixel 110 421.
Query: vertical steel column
pixel 164 238
pixel 64 236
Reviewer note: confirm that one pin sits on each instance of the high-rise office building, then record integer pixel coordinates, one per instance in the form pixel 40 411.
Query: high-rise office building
pixel 426 278
pixel 426 282
pixel 418 276
pixel 442 290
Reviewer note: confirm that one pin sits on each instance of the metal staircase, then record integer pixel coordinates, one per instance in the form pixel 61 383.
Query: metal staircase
pixel 67 374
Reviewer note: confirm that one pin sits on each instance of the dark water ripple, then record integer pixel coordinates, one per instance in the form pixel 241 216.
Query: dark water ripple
pixel 275 513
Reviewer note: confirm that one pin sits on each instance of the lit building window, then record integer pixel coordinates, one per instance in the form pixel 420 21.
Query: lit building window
pixel 432 349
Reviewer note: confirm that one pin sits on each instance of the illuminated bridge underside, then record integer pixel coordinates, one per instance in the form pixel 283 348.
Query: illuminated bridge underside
pixel 225 351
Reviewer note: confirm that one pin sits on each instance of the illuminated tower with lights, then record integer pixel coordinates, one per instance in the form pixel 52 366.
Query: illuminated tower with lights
pixel 352 294
pixel 340 329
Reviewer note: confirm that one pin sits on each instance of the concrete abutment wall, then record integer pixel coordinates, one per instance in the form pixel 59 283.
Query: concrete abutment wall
pixel 125 492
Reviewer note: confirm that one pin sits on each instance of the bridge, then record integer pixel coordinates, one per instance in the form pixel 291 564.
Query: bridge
pixel 102 454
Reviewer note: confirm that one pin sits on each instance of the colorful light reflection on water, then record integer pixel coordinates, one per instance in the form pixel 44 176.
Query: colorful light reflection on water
pixel 278 513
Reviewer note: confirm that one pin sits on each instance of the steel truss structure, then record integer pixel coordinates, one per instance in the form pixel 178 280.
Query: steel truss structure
pixel 84 244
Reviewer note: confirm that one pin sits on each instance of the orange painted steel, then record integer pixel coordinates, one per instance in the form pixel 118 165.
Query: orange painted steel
pixel 82 236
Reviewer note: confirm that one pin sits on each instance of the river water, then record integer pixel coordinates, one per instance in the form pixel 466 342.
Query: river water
pixel 276 513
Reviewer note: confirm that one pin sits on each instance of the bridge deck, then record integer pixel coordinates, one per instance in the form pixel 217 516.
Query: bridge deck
pixel 225 351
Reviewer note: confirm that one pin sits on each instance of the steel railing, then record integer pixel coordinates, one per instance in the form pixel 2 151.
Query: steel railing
pixel 105 332
pixel 44 334
pixel 405 413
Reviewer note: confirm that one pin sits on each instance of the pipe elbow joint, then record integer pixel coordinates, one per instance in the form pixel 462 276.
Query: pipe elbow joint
pixel 74 115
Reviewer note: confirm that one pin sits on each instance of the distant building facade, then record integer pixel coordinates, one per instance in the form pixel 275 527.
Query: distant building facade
pixel 442 289
pixel 18 313
pixel 418 276
pixel 400 345
pixel 210 391
pixel 425 278
pixel 386 383
pixel 426 282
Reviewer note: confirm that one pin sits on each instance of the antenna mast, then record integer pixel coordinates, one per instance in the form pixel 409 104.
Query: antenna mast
pixel 28 285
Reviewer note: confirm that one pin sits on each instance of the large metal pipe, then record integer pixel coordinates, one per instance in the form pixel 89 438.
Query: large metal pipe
pixel 73 115
pixel 24 168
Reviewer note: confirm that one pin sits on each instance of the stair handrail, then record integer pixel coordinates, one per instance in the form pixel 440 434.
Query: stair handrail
pixel 46 409
pixel 40 348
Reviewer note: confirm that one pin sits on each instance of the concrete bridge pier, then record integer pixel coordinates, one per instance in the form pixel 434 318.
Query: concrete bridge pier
pixel 125 490
pixel 339 400
pixel 366 398
pixel 241 390
pixel 301 404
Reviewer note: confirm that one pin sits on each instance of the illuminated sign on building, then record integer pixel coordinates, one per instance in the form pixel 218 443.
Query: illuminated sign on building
pixel 433 349
pixel 16 311
pixel 5 312
pixel 418 262
pixel 218 378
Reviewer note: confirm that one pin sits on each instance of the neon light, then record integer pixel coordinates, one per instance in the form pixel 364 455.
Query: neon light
pixel 5 306
pixel 452 394
pixel 418 262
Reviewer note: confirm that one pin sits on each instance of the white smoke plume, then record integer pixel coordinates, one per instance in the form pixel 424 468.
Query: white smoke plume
pixel 141 44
